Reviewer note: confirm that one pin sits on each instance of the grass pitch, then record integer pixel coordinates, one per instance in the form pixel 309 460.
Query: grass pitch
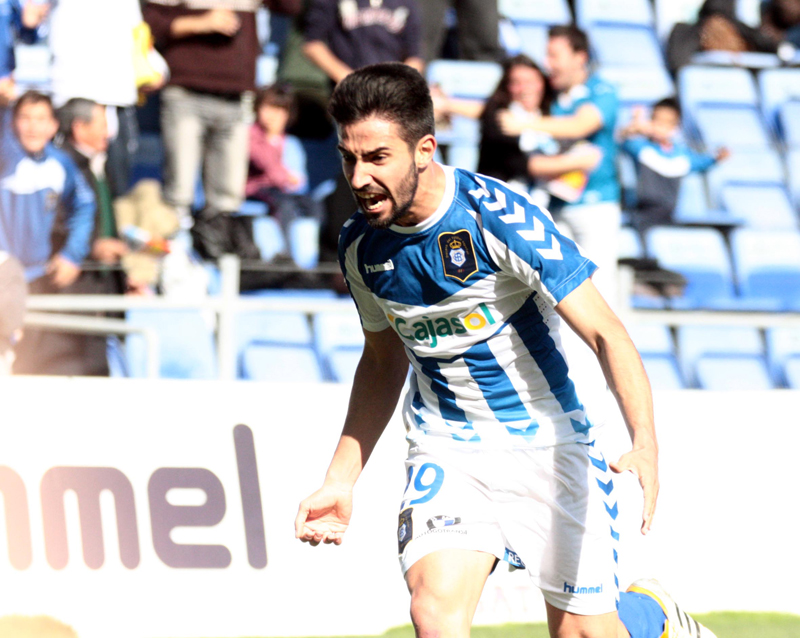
pixel 725 624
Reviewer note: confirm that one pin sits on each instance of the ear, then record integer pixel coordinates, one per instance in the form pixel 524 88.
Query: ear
pixel 423 155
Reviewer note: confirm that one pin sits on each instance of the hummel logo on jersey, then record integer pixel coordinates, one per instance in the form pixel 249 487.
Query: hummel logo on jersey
pixel 373 268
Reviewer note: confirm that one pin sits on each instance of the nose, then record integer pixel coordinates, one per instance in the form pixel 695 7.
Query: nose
pixel 359 176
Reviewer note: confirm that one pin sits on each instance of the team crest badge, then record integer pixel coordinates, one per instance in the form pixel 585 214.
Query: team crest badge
pixel 458 254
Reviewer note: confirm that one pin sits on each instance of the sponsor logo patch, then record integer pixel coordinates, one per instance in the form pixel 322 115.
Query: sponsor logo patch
pixel 437 522
pixel 458 254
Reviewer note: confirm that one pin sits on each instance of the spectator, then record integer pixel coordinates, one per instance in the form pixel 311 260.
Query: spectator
pixel 717 29
pixel 477 24
pixel 48 213
pixel 585 109
pixel 12 308
pixel 18 22
pixel 344 35
pixel 780 20
pixel 277 173
pixel 92 48
pixel 211 50
pixel 662 160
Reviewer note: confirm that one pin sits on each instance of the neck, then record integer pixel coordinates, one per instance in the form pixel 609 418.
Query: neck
pixel 430 192
pixel 580 78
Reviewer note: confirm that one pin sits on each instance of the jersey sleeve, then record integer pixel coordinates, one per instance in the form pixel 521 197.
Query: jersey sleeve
pixel 523 241
pixel 633 146
pixel 700 161
pixel 605 100
pixel 372 317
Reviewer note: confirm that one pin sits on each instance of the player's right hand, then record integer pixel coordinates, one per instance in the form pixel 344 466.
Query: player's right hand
pixel 324 516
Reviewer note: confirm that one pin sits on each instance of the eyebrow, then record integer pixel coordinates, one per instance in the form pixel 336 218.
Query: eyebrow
pixel 380 149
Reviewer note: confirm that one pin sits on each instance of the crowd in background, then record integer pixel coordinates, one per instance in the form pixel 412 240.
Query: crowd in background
pixel 74 219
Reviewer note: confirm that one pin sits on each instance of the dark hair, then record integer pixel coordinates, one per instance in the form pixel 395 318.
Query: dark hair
pixel 32 97
pixel 668 103
pixel 578 40
pixel 501 98
pixel 77 109
pixel 281 96
pixel 390 90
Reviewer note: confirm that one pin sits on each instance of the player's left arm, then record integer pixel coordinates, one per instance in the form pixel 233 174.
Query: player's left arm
pixel 587 313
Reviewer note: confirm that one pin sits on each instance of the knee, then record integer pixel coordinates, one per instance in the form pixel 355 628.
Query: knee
pixel 434 614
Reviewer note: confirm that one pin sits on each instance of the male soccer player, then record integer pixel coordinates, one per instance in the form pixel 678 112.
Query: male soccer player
pixel 468 280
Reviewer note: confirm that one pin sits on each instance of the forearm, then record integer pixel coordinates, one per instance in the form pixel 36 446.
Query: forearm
pixel 376 389
pixel 319 53
pixel 186 26
pixel 570 128
pixel 550 166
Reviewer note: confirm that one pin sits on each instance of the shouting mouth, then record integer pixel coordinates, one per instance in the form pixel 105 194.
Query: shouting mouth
pixel 372 202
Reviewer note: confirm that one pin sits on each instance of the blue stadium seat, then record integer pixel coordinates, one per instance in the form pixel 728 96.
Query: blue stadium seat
pixel 268 237
pixel 343 363
pixel 149 158
pixel 186 342
pixel 663 372
pixel 783 344
pixel 252 208
pixel 745 167
pixel 33 67
pixel 652 338
pixel 792 373
pixel 337 330
pixel 699 341
pixel 535 11
pixel 738 128
pixel 463 78
pixel 266 70
pixel 767 265
pixel 280 363
pixel 613 44
pixel 793 166
pixel 271 329
pixel 777 86
pixel 727 373
pixel 758 206
pixel 790 123
pixel 669 12
pixel 304 241
pixel 713 85
pixel 692 204
pixel 589 12
pixel 630 244
pixel 700 255
pixel 638 85
pixel 463 156
pixel 533 41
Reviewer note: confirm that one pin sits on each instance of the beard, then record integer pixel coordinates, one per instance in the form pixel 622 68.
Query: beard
pixel 401 202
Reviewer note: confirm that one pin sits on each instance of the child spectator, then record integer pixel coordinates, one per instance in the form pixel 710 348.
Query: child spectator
pixel 277 174
pixel 661 161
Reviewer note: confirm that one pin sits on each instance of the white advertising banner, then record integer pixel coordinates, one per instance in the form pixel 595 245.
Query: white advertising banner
pixel 157 509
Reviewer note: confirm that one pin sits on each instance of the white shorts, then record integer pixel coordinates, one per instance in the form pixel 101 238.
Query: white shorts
pixel 550 511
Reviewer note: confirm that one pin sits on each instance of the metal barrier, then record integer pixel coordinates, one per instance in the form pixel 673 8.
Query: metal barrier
pixel 229 303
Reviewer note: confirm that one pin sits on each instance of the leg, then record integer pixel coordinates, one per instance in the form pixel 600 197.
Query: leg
pixel 433 31
pixel 183 138
pixel 563 624
pixel 445 589
pixel 477 30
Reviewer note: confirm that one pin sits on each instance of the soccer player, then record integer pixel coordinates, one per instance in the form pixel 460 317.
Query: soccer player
pixel 469 281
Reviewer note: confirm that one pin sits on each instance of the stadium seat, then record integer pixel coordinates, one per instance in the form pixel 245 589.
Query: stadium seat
pixel 533 41
pixel 793 164
pixel 767 264
pixel 733 373
pixel 792 373
pixel 669 12
pixel 149 158
pixel 268 237
pixel 630 245
pixel 745 167
pixel 463 78
pixel 698 341
pixel 271 329
pixel 535 11
pixel 613 44
pixel 590 12
pixel 33 67
pixel 266 70
pixel 759 206
pixel 700 255
pixel 783 344
pixel 304 241
pixel 738 128
pixel 663 372
pixel 186 343
pixel 337 330
pixel 712 85
pixel 463 156
pixel 692 204
pixel 281 363
pixel 343 363
pixel 638 85
pixel 777 86
pixel 789 115
pixel 652 338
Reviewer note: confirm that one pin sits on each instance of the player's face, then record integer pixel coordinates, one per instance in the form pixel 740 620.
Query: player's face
pixel 35 126
pixel 381 171
pixel 564 65
pixel 526 86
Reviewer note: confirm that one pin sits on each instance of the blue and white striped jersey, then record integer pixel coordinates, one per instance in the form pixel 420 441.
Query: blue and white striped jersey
pixel 471 291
